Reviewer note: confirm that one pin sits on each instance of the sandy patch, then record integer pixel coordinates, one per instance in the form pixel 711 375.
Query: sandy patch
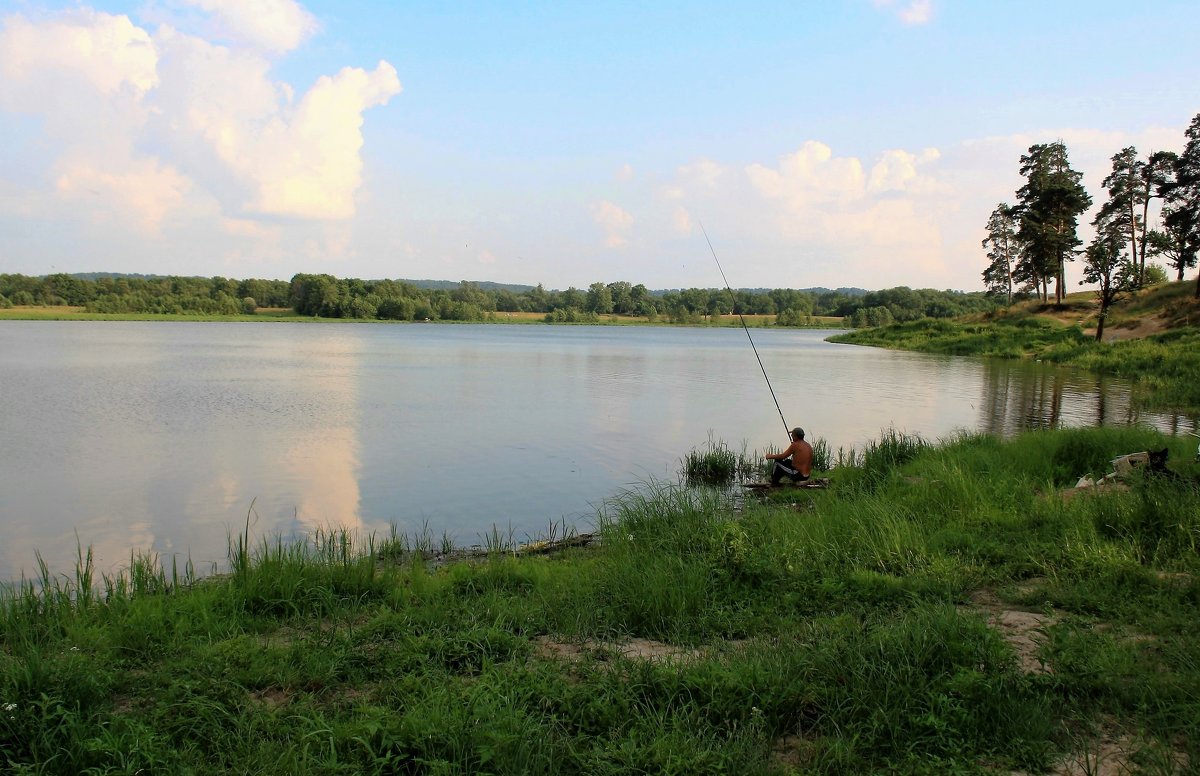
pixel 633 649
pixel 1142 328
pixel 1022 629
pixel 1113 753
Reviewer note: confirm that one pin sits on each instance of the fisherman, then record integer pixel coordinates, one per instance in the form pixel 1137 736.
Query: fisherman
pixel 795 462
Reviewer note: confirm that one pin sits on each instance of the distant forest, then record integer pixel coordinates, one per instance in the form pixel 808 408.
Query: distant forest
pixel 330 297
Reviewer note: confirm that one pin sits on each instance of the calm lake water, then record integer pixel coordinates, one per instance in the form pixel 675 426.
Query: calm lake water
pixel 158 436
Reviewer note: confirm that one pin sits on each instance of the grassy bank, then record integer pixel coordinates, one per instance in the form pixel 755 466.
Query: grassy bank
pixel 1163 362
pixel 853 630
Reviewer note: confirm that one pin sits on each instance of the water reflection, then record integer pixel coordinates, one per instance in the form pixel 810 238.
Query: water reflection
pixel 157 438
pixel 1022 395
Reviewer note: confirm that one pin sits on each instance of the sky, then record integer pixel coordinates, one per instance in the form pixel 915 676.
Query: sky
pixel 842 143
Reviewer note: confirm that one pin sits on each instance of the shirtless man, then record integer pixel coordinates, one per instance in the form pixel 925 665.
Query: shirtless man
pixel 799 468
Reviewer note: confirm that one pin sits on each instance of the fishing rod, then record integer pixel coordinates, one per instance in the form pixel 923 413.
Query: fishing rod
pixel 745 328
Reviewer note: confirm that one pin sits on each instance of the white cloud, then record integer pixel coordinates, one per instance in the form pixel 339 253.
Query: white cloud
pixel 486 257
pixel 272 25
pixel 141 191
pixel 625 172
pixel 306 162
pixel 704 172
pixel 871 218
pixel 810 175
pixel 106 52
pixel 137 125
pixel 617 223
pixel 912 12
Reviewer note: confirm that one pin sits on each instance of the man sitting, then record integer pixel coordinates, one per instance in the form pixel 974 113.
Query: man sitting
pixel 795 462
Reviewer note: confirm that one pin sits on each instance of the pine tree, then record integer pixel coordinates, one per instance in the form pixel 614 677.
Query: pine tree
pixel 1181 216
pixel 1126 192
pixel 1105 265
pixel 1049 205
pixel 1003 251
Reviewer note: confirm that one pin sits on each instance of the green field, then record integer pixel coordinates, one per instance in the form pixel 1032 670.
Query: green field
pixel 939 609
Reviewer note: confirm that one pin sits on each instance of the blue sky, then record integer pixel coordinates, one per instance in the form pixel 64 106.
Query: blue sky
pixel 854 143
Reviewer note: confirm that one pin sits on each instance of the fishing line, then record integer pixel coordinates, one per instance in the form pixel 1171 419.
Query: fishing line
pixel 745 328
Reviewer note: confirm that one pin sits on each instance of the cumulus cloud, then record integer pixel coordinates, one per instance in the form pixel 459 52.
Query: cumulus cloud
pixel 911 12
pixel 272 25
pixel 616 221
pixel 306 161
pixel 811 174
pixel 141 191
pixel 870 216
pixel 106 52
pixel 154 120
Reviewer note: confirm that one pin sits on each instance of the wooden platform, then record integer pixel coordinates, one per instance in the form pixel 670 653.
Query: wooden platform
pixel 817 483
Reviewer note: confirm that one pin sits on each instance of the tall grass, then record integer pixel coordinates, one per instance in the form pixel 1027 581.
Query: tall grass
pixel 717 464
pixel 832 633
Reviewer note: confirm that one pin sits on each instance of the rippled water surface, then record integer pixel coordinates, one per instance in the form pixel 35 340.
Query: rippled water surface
pixel 159 436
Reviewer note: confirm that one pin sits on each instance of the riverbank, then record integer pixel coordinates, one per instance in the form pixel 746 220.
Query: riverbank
pixel 938 609
pixel 1152 340
pixel 67 313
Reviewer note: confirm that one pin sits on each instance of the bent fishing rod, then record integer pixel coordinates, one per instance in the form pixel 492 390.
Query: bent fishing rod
pixel 745 328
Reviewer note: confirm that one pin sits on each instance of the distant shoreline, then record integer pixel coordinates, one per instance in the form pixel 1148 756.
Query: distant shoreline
pixel 275 315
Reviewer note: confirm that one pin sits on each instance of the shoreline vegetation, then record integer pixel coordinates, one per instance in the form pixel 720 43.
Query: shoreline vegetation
pixel 949 607
pixel 1153 340
pixel 327 297
pixel 286 315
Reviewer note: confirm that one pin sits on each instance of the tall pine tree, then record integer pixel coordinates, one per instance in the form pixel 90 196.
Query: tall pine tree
pixel 1049 205
pixel 1003 251
pixel 1126 195
pixel 1181 214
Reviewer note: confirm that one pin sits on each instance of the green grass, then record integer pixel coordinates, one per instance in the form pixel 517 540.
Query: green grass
pixel 1004 338
pixel 826 632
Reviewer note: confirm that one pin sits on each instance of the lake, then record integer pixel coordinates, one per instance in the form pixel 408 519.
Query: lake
pixel 160 436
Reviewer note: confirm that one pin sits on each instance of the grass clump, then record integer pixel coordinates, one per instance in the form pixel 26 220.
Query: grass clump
pixel 716 464
pixel 834 632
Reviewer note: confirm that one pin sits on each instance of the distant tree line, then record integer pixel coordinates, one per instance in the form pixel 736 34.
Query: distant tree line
pixel 329 297
pixel 1028 244
pixel 141 294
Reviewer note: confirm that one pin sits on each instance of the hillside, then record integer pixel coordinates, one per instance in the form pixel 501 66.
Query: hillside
pixel 1150 311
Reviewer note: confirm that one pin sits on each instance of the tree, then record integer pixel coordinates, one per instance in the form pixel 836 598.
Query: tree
pixel 1181 216
pixel 572 298
pixel 1105 266
pixel 1049 205
pixel 1172 243
pixel 622 297
pixel 1126 192
pixel 599 299
pixel 1003 251
pixel 1157 173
